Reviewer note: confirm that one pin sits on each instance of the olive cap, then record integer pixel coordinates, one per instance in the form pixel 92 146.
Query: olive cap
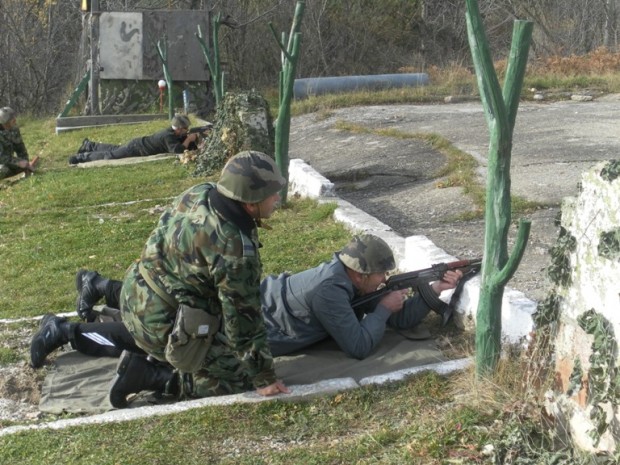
pixel 250 177
pixel 367 254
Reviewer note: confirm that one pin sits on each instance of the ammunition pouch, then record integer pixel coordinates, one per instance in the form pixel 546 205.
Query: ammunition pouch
pixel 192 333
pixel 191 338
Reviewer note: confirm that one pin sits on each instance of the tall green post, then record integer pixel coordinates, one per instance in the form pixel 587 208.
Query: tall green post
pixel 290 56
pixel 162 50
pixel 213 62
pixel 500 111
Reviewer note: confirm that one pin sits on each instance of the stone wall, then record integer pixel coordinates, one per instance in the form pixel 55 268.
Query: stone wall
pixel 584 310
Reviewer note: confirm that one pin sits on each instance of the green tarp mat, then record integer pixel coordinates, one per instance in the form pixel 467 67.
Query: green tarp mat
pixel 79 383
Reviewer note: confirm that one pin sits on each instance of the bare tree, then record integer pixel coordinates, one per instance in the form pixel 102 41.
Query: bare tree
pixel 38 44
pixel 344 37
pixel 568 26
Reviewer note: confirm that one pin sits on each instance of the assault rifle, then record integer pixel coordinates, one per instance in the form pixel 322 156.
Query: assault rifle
pixel 419 281
pixel 200 129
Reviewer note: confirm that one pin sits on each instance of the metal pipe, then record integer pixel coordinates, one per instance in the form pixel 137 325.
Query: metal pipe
pixel 308 87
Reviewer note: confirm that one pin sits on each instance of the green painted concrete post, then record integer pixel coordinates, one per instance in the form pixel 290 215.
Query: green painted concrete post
pixel 290 56
pixel 76 94
pixel 500 111
pixel 162 50
pixel 213 62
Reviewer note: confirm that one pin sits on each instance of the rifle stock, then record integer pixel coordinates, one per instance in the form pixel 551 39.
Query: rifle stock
pixel 412 279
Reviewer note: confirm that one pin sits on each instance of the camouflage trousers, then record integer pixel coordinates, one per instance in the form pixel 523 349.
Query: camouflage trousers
pixel 150 319
pixel 6 171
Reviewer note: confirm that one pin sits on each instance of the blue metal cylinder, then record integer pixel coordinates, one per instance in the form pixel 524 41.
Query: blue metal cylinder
pixel 307 87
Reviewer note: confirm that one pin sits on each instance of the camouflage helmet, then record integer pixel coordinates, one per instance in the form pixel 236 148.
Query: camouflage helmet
pixel 180 121
pixel 7 114
pixel 367 254
pixel 250 177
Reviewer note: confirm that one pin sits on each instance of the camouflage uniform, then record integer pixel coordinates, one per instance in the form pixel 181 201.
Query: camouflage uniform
pixel 204 253
pixel 11 143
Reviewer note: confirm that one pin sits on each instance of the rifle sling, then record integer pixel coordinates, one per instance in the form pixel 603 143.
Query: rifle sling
pixel 155 288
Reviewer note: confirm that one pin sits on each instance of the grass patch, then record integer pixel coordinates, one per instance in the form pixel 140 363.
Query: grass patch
pixel 8 356
pixel 65 218
pixel 427 419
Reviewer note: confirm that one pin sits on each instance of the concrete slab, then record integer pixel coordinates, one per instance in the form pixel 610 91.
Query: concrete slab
pixel 398 180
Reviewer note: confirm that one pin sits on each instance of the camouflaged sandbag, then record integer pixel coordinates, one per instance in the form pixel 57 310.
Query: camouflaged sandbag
pixel 191 338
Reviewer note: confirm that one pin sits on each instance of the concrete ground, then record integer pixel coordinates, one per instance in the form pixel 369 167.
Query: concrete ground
pixel 395 179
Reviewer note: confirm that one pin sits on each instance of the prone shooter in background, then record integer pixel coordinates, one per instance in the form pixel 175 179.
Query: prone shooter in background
pixel 201 133
pixel 174 139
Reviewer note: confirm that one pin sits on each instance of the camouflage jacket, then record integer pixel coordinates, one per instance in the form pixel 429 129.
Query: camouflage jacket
pixel 203 253
pixel 11 143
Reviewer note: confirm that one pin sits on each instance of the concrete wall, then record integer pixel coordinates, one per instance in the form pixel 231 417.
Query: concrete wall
pixel 587 312
pixel 128 44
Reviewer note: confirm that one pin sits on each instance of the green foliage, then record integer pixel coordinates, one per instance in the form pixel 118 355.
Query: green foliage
pixel 604 375
pixel 559 271
pixel 609 244
pixel 547 311
pixel 232 131
pixel 575 381
pixel 611 170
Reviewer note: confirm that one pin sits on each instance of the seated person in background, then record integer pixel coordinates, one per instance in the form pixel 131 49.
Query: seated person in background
pixel 299 309
pixel 13 154
pixel 174 139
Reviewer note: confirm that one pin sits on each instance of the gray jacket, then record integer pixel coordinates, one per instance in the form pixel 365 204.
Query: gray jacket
pixel 304 308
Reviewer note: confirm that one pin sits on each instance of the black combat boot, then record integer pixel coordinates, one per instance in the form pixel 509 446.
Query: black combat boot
pixel 79 158
pixel 87 146
pixel 91 288
pixel 135 373
pixel 54 332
